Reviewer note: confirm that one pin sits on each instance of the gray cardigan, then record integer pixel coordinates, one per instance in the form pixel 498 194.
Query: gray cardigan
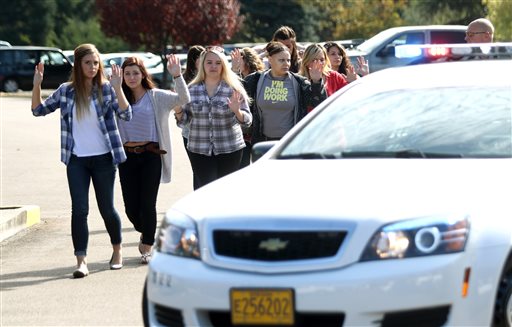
pixel 163 102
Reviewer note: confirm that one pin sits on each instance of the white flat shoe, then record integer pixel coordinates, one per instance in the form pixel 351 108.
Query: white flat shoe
pixel 81 271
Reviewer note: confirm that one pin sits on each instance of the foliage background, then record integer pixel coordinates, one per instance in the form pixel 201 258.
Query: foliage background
pixel 67 23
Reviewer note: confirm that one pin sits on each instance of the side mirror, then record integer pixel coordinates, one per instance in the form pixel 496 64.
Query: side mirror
pixel 260 148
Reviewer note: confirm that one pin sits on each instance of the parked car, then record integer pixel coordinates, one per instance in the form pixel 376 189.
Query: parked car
pixel 380 49
pixel 70 54
pixel 152 62
pixel 17 67
pixel 4 44
pixel 388 205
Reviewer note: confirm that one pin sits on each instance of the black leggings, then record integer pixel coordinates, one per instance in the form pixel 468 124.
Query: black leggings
pixel 210 168
pixel 140 181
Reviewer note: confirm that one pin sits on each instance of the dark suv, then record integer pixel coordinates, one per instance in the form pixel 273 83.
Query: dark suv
pixel 17 67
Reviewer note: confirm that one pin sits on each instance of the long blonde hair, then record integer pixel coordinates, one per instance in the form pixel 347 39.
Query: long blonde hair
pixel 227 75
pixel 78 80
pixel 309 56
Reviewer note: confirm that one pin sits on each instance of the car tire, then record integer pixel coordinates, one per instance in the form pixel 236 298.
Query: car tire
pixel 10 85
pixel 503 307
pixel 145 311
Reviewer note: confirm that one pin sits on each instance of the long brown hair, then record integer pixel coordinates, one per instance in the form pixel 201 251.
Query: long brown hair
pixel 345 60
pixel 146 82
pixel 192 55
pixel 78 80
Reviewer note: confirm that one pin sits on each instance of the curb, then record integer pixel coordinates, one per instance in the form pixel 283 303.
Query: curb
pixel 16 218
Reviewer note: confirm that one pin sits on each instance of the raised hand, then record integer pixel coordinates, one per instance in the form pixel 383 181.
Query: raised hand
pixel 235 102
pixel 351 74
pixel 315 70
pixel 362 66
pixel 38 74
pixel 236 60
pixel 116 79
pixel 173 65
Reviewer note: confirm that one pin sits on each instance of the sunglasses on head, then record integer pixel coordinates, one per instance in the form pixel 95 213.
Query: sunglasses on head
pixel 330 44
pixel 214 48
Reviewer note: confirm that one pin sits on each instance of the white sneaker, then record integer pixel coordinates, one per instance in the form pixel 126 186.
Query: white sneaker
pixel 81 271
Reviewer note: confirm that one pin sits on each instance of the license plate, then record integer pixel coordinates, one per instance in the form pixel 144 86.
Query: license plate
pixel 262 306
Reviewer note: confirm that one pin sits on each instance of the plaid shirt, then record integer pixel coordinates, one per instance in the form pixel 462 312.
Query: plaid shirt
pixel 214 128
pixel 64 98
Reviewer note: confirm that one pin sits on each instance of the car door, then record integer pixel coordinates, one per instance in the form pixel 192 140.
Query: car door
pixel 57 68
pixel 384 56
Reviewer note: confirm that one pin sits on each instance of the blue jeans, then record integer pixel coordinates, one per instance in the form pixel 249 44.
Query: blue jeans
pixel 102 171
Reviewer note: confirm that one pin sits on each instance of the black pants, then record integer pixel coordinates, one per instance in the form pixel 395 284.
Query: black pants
pixel 246 155
pixel 210 168
pixel 140 181
pixel 194 176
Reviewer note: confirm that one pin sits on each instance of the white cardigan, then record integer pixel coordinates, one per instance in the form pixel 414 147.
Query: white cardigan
pixel 163 101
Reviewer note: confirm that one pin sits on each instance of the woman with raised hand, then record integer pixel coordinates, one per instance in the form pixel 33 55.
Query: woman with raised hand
pixel 316 54
pixel 91 146
pixel 216 113
pixel 245 62
pixel 341 63
pixel 147 143
pixel 280 97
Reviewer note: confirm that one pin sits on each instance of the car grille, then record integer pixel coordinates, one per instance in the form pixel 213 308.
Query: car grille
pixel 277 245
pixel 223 319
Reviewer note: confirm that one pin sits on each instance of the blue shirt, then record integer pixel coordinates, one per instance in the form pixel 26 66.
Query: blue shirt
pixel 64 98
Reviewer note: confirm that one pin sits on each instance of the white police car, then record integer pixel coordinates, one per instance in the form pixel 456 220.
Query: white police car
pixel 390 205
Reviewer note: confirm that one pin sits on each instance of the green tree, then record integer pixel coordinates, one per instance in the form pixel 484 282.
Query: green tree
pixel 458 12
pixel 263 17
pixel 59 23
pixel 500 14
pixel 365 18
pixel 26 22
pixel 78 23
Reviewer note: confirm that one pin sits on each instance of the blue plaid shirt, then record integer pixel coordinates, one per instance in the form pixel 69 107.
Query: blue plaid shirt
pixel 214 128
pixel 64 98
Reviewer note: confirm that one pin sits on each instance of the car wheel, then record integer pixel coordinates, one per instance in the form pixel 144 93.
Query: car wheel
pixel 145 311
pixel 503 308
pixel 10 85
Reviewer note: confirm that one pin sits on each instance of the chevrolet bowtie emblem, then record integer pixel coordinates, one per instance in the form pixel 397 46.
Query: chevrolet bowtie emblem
pixel 273 244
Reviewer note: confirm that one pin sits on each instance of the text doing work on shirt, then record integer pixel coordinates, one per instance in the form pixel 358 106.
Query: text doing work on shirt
pixel 276 92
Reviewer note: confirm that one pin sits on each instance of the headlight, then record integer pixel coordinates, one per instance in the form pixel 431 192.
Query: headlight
pixel 178 236
pixel 418 237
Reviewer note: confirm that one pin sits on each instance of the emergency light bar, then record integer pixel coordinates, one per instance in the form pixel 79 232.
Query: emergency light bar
pixel 436 51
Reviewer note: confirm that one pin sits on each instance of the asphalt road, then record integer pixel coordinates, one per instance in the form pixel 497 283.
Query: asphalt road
pixel 37 287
